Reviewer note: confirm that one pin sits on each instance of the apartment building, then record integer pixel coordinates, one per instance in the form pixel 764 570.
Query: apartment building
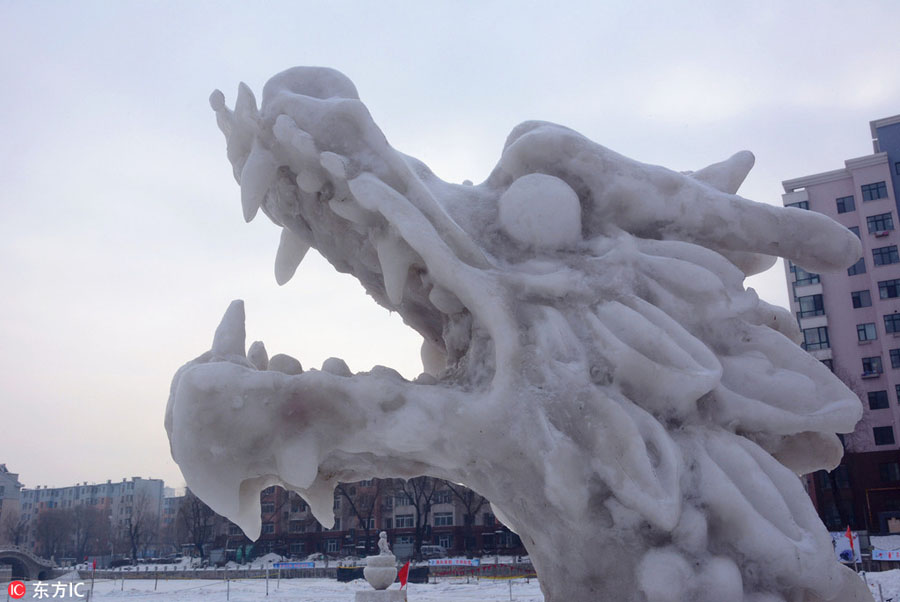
pixel 851 322
pixel 9 492
pixel 122 501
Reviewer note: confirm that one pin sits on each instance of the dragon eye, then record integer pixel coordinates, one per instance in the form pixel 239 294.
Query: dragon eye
pixel 541 211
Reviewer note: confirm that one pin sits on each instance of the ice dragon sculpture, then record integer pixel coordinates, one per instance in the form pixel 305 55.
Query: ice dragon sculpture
pixel 593 364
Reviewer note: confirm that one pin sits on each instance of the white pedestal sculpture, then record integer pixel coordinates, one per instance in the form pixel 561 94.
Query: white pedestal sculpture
pixel 595 366
pixel 380 572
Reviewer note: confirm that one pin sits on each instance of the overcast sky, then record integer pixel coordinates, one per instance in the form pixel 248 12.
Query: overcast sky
pixel 122 241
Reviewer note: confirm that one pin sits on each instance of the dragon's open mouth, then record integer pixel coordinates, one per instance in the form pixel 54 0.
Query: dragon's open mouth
pixel 584 320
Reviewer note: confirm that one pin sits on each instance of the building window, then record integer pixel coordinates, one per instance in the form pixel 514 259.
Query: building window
pixel 296 526
pixel 855 230
pixel 298 548
pixel 876 190
pixel 268 528
pixel 829 364
pixel 810 305
pixel 268 507
pixel 872 365
pixel 337 501
pixel 895 358
pixel 880 223
pixel 445 540
pixel 885 255
pixel 801 204
pixel 487 519
pixel 388 523
pixel 890 471
pixel 878 400
pixel 443 496
pixel 443 519
pixel 331 546
pixel 888 289
pixel 866 332
pixel 234 530
pixel 884 435
pixel 861 299
pixel 892 323
pixel 857 268
pixel 845 204
pixel 815 338
pixel 801 276
pixel 404 521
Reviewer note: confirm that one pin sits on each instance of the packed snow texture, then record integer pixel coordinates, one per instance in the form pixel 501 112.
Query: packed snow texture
pixel 593 363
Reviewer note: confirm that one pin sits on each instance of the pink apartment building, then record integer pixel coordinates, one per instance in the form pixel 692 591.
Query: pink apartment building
pixel 851 322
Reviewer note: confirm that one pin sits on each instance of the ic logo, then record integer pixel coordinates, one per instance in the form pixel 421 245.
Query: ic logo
pixel 16 590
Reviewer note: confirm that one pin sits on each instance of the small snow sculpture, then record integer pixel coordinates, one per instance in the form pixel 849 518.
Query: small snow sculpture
pixel 381 570
pixel 383 547
pixel 595 366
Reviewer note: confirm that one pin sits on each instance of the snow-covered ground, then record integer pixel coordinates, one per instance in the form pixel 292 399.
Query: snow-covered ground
pixel 310 590
pixel 327 590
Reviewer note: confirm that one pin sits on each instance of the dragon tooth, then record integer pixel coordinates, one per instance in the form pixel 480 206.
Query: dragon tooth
pixel 281 362
pixel 245 105
pixel 320 497
pixel 257 175
pixel 336 366
pixel 445 301
pixel 291 251
pixel 258 356
pixel 395 258
pixel 231 335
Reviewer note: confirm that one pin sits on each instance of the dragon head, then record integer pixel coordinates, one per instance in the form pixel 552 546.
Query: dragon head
pixel 585 331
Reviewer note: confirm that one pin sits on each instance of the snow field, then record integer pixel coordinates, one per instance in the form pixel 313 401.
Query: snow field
pixel 327 590
pixel 310 590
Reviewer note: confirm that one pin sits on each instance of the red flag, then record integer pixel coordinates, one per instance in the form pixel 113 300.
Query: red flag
pixel 849 536
pixel 404 574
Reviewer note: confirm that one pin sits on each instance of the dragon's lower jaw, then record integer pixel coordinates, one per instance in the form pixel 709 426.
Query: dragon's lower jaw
pixel 238 424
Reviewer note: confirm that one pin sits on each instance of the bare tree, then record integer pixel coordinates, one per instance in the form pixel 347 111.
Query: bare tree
pixel 420 492
pixel 197 521
pixel 14 527
pixel 363 504
pixel 472 503
pixel 142 524
pixel 90 528
pixel 52 531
